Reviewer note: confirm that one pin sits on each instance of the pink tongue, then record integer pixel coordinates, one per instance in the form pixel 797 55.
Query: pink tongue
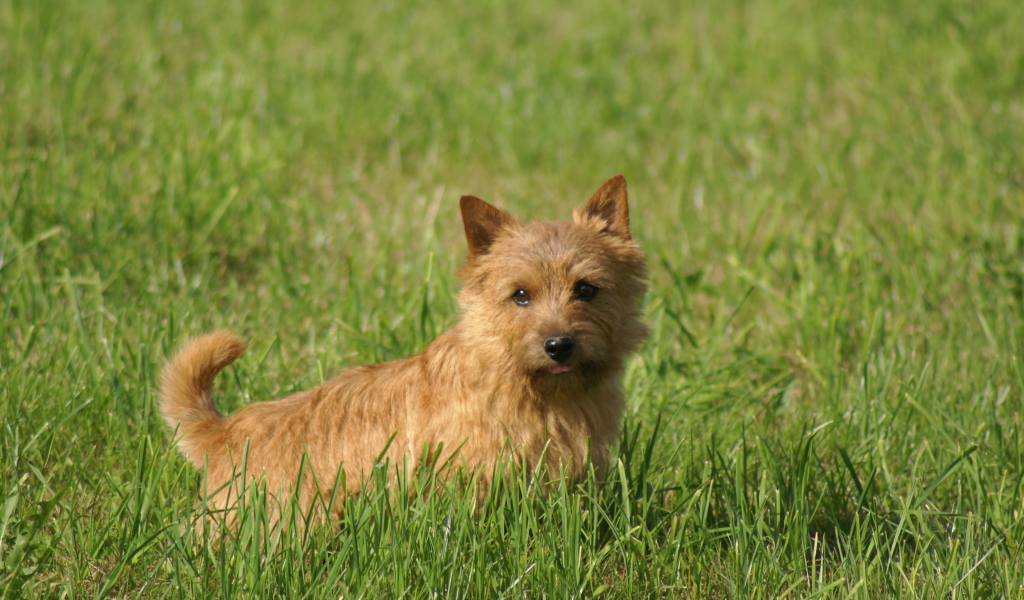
pixel 560 369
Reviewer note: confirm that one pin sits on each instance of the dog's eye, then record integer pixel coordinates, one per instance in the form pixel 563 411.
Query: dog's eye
pixel 584 291
pixel 521 297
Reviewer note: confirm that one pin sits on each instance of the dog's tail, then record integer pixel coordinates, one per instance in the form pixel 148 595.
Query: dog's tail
pixel 186 385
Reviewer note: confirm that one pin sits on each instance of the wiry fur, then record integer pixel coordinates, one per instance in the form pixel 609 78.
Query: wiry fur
pixel 484 389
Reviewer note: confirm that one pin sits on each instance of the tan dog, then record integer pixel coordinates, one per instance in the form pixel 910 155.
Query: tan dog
pixel 530 372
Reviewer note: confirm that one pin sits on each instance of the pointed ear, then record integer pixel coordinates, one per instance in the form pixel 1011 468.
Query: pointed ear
pixel 608 206
pixel 482 222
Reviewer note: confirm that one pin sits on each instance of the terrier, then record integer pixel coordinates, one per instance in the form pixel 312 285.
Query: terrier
pixel 530 375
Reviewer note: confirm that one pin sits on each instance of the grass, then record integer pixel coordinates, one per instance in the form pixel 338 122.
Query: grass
pixel 831 195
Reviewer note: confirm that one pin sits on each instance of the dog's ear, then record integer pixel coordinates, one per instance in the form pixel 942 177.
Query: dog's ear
pixel 608 208
pixel 482 222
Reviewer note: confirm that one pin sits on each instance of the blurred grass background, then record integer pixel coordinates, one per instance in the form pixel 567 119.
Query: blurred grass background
pixel 832 199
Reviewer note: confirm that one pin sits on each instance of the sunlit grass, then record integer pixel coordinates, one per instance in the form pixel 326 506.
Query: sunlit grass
pixel 831 196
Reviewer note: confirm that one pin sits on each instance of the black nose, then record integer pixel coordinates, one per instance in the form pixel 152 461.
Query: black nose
pixel 559 347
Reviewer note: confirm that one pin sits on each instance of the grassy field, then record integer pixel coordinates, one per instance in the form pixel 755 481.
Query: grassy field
pixel 831 195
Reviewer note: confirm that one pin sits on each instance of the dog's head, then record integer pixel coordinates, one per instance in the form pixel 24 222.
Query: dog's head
pixel 555 299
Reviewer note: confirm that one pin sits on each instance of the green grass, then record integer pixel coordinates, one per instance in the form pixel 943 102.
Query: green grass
pixel 831 195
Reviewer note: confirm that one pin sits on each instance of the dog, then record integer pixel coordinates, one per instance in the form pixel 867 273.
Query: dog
pixel 530 374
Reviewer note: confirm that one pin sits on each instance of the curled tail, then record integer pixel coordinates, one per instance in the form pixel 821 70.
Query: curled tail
pixel 186 385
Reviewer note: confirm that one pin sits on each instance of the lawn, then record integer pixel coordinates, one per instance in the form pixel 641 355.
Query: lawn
pixel 831 195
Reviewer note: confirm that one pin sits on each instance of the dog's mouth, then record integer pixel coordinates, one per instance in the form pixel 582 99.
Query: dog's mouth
pixel 560 369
